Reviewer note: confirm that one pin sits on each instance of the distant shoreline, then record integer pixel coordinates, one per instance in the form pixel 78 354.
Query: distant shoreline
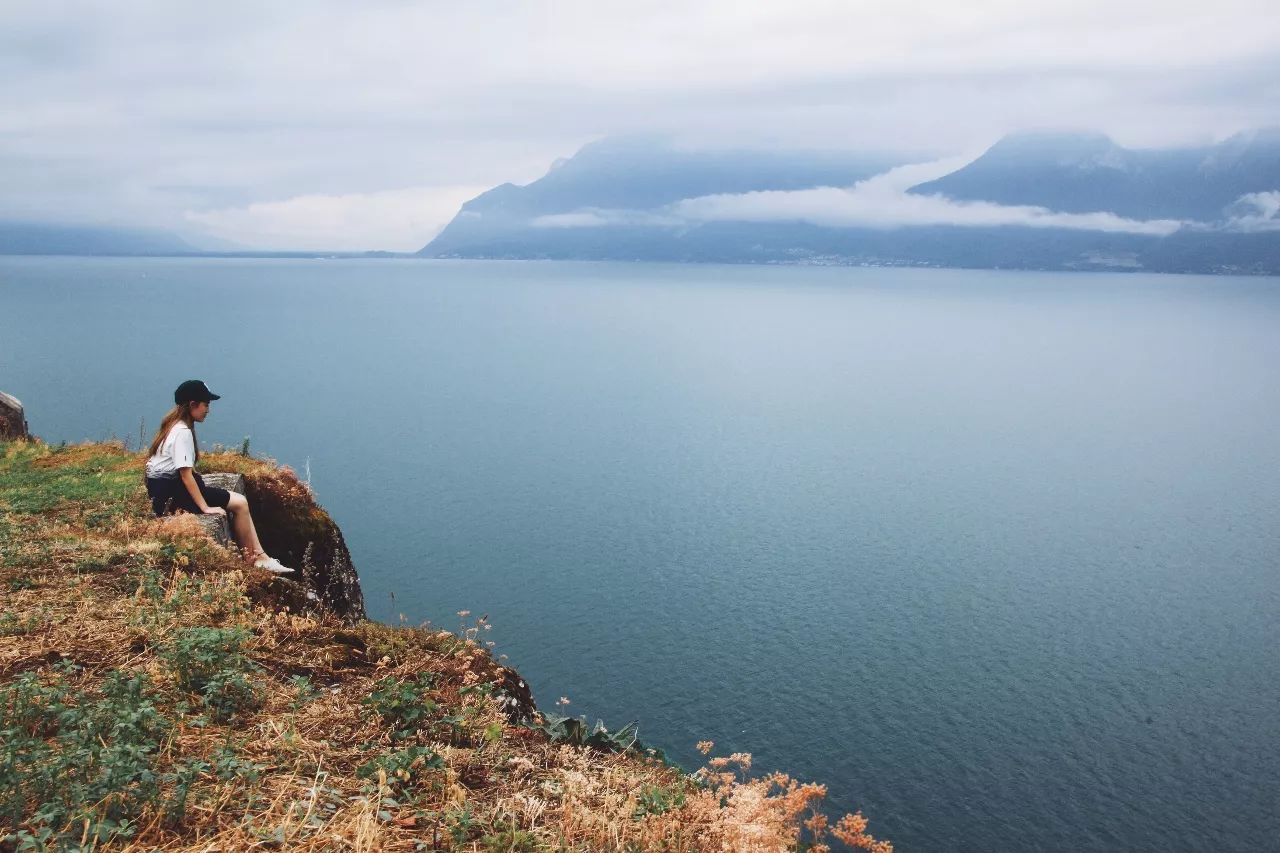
pixel 808 262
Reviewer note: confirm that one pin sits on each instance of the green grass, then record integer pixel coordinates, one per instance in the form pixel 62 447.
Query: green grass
pixel 103 482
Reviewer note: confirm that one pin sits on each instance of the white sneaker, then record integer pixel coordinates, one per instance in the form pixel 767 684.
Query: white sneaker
pixel 271 564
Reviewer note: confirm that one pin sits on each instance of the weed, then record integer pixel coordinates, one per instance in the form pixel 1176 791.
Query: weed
pixel 461 824
pixel 182 597
pixel 403 704
pixel 306 691
pixel 33 556
pixel 74 765
pixel 211 663
pixel 573 730
pixel 13 625
pixel 91 564
pixel 656 800
pixel 474 633
pixel 100 478
pixel 400 769
pixel 509 841
pixel 227 765
pixel 151 584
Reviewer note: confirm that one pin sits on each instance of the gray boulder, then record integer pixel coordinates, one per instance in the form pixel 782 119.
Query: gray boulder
pixel 216 525
pixel 13 421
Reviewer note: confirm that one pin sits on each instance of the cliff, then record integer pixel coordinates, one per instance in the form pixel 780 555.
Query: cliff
pixel 298 532
pixel 155 694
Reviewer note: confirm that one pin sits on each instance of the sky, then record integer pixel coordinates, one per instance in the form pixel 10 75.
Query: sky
pixel 353 126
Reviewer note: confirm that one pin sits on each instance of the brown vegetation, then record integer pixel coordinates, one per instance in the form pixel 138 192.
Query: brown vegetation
pixel 136 650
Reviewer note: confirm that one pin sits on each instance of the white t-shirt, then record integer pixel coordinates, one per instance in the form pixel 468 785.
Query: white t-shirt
pixel 178 450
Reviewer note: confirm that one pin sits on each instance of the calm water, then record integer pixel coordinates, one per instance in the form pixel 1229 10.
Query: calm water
pixel 992 554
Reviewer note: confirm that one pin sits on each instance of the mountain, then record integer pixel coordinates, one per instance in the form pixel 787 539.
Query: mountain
pixel 25 238
pixel 1084 173
pixel 1190 210
pixel 638 174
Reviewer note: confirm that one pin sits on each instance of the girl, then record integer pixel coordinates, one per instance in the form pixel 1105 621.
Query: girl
pixel 174 485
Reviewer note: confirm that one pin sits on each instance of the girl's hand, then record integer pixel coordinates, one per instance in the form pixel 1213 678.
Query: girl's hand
pixel 215 510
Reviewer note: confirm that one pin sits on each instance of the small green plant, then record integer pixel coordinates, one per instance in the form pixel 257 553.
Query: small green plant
pixel 656 800
pixel 306 691
pixel 403 703
pixel 91 564
pixel 211 663
pixel 175 598
pixel 401 769
pixel 573 730
pixel 13 625
pixel 227 765
pixel 182 779
pixel 461 824
pixel 509 841
pixel 244 447
pixel 76 764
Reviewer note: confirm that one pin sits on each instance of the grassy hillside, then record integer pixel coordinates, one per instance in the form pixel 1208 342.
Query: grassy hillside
pixel 156 695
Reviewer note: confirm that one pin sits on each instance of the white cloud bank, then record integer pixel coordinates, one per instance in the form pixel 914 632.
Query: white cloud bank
pixel 133 112
pixel 1256 212
pixel 394 220
pixel 878 202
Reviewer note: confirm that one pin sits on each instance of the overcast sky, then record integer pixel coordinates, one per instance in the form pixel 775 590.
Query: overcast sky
pixel 364 125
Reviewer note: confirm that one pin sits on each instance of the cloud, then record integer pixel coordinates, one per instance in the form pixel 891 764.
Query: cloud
pixel 396 220
pixel 1255 212
pixel 137 111
pixel 878 202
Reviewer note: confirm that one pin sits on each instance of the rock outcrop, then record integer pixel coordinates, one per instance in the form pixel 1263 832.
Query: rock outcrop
pixel 295 530
pixel 216 525
pixel 13 421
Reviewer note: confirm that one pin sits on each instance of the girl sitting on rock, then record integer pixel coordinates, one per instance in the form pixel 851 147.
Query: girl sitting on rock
pixel 174 486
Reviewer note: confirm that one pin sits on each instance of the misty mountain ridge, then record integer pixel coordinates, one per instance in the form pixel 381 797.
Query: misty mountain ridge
pixel 644 173
pixel 1083 173
pixel 38 238
pixel 1035 200
pixel 1032 200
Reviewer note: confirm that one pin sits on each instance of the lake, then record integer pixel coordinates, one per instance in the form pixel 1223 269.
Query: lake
pixel 992 554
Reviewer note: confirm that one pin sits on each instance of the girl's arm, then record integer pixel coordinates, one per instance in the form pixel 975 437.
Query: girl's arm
pixel 189 480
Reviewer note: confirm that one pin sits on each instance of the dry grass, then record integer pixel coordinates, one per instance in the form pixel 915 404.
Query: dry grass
pixel 305 759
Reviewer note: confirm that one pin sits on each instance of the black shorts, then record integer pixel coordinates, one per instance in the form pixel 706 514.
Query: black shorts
pixel 169 494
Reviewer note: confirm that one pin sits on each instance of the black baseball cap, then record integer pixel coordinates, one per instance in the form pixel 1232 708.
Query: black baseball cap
pixel 194 391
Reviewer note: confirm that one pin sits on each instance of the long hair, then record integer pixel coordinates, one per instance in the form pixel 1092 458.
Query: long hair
pixel 180 412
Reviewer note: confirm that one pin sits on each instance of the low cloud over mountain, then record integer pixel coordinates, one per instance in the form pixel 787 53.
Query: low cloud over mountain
pixel 881 202
pixel 1256 212
pixel 630 199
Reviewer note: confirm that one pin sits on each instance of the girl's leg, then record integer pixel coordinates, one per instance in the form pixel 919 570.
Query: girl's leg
pixel 246 533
